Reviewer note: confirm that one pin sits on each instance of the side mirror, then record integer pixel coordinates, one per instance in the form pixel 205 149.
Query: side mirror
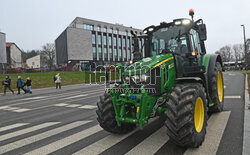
pixel 136 45
pixel 202 32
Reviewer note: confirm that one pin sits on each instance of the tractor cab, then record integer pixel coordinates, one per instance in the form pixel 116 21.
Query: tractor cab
pixel 184 38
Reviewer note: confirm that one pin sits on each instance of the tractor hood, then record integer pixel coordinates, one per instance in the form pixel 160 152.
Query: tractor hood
pixel 147 64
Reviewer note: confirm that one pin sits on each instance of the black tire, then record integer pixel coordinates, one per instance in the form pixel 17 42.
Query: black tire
pixel 180 115
pixel 106 116
pixel 213 89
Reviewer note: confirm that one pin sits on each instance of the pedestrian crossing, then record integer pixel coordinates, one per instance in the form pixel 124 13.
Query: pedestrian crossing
pixel 75 106
pixel 14 109
pixel 24 136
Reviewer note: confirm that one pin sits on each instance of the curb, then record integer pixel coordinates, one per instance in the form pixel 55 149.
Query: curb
pixel 246 133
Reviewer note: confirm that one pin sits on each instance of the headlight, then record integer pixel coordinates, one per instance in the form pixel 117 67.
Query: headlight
pixel 144 77
pixel 186 22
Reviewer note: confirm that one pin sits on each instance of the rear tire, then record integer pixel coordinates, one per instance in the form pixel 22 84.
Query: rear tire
pixel 106 116
pixel 216 89
pixel 186 127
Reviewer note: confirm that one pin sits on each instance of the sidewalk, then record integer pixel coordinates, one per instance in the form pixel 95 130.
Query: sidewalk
pixel 246 133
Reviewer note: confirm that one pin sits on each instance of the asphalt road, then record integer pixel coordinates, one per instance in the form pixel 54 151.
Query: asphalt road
pixel 63 121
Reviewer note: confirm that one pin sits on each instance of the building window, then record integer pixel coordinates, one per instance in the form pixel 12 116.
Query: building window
pixel 93 39
pixel 105 53
pixel 124 42
pixel 120 54
pixel 33 63
pixel 126 32
pixel 105 29
pixel 88 27
pixel 110 41
pixel 116 55
pixel 94 52
pixel 110 53
pixel 120 42
pixel 139 44
pixel 125 55
pixel 100 53
pixel 111 30
pixel 128 42
pixel 114 41
pixel 129 55
pixel 117 31
pixel 99 39
pixel 99 28
pixel 105 40
pixel 85 26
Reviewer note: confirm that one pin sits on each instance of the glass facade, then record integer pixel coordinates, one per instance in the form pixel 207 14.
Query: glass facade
pixel 94 53
pixel 99 28
pixel 105 29
pixel 120 54
pixel 110 54
pixel 129 55
pixel 100 53
pixel 120 42
pixel 105 53
pixel 115 53
pixel 93 39
pixel 99 39
pixel 110 41
pixel 88 27
pixel 114 41
pixel 105 40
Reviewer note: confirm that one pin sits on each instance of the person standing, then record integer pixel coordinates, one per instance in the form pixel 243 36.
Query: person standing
pixel 58 81
pixel 7 84
pixel 28 85
pixel 20 85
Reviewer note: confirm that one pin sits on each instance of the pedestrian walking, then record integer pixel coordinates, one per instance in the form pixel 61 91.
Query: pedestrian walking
pixel 20 85
pixel 28 85
pixel 107 76
pixel 58 81
pixel 7 84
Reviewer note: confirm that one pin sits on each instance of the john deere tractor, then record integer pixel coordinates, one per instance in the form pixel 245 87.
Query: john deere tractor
pixel 175 79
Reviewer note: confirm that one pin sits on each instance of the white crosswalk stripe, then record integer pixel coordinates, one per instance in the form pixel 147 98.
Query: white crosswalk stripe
pixel 215 129
pixel 150 145
pixel 35 138
pixel 12 126
pixel 65 141
pixel 27 130
pixel 14 109
pixel 75 106
pixel 159 138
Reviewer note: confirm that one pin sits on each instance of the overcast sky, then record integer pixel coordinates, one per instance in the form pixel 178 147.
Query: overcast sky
pixel 32 23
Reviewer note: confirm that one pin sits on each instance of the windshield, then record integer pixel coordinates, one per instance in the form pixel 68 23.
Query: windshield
pixel 171 39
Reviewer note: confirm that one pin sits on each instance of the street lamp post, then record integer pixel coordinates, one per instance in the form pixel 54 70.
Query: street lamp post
pixel 245 44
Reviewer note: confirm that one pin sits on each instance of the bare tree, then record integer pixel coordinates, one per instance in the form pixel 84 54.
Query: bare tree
pixel 238 50
pixel 225 53
pixel 48 51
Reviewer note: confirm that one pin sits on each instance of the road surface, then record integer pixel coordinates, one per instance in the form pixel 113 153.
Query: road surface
pixel 64 122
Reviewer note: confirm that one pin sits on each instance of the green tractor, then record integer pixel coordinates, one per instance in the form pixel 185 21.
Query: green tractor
pixel 175 79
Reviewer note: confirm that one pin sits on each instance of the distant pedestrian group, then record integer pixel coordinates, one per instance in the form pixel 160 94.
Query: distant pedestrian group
pixel 20 84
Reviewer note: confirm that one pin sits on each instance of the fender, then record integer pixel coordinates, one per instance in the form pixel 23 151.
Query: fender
pixel 213 59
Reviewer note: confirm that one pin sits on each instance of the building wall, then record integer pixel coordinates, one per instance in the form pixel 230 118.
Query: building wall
pixel 61 48
pixel 15 57
pixel 95 41
pixel 34 62
pixel 3 58
pixel 79 44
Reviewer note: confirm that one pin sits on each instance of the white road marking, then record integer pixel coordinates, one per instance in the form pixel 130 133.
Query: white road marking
pixel 152 144
pixel 27 130
pixel 4 107
pixel 12 108
pixel 65 141
pixel 22 110
pixel 35 138
pixel 107 142
pixel 88 107
pixel 33 98
pixel 232 97
pixel 61 104
pixel 215 129
pixel 73 97
pixel 74 105
pixel 12 126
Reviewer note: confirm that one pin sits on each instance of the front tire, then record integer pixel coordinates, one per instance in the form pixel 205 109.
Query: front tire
pixel 106 116
pixel 186 115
